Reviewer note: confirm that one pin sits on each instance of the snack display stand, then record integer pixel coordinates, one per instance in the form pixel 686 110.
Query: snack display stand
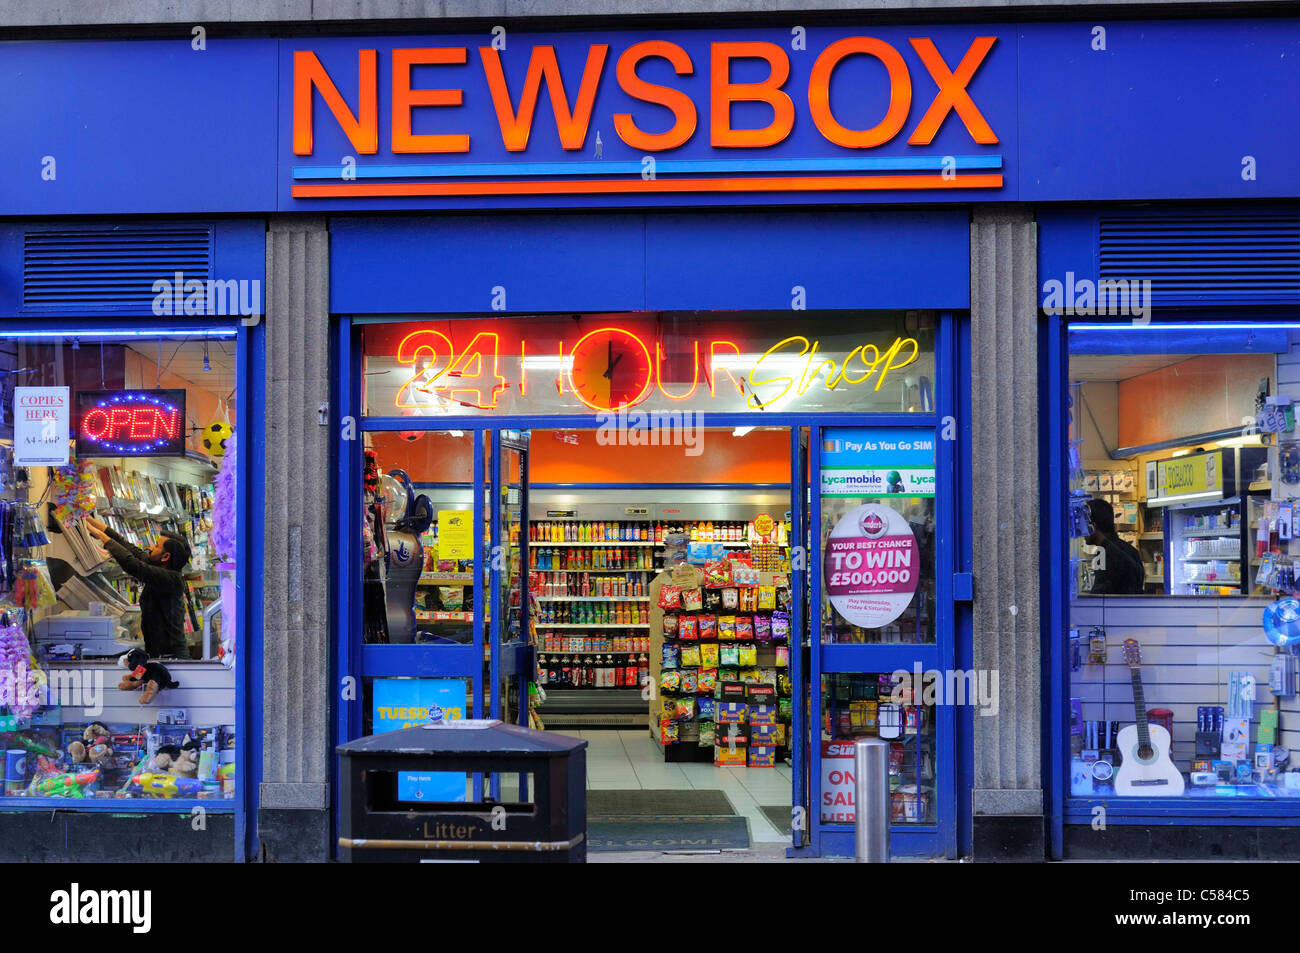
pixel 719 659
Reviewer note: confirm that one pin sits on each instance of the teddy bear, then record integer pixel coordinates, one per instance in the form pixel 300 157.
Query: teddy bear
pixel 148 677
pixel 181 760
pixel 94 746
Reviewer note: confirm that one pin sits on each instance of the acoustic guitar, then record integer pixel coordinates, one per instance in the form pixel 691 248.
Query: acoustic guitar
pixel 1147 770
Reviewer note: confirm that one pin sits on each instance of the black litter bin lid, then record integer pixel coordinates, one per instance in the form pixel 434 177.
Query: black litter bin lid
pixel 483 737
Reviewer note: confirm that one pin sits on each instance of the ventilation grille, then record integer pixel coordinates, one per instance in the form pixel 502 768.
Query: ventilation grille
pixel 109 269
pixel 1210 260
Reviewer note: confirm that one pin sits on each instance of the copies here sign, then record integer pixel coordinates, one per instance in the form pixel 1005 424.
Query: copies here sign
pixel 41 425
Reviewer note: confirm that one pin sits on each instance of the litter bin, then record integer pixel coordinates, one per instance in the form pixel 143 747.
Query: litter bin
pixel 397 806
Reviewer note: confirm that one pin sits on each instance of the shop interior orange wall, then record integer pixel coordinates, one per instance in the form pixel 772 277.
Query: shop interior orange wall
pixel 1199 395
pixel 761 456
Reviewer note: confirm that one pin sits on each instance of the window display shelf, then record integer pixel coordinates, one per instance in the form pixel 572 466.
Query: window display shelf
pixel 593 598
pixel 446 578
pixel 597 625
pixel 422 615
pixel 731 543
pixel 601 544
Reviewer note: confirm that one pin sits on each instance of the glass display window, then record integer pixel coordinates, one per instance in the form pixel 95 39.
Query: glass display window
pixel 118 566
pixel 1182 675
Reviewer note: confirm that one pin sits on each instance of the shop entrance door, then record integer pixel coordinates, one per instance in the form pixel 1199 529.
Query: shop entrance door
pixel 881 520
pixel 443 605
pixel 509 655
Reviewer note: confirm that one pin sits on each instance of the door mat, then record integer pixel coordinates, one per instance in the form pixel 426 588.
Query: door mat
pixel 779 817
pixel 651 802
pixel 666 832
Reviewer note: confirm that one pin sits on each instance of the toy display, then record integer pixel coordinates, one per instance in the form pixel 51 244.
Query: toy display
pixel 95 746
pixel 69 784
pixel 180 760
pixel 144 676
pixel 68 613
pixel 166 785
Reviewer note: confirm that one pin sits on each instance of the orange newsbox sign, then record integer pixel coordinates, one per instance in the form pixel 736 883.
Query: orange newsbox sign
pixel 358 115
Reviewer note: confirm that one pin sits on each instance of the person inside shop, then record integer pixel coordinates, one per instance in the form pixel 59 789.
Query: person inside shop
pixel 162 598
pixel 1121 571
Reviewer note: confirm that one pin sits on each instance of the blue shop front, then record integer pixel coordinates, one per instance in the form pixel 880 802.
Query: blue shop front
pixel 651 358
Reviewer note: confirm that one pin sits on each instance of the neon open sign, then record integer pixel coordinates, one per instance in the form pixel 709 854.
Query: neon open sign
pixel 131 423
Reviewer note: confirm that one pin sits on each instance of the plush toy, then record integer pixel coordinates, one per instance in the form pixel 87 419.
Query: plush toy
pixel 181 761
pixel 141 674
pixel 94 748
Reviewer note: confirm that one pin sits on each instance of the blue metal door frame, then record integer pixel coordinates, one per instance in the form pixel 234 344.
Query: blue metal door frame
pixel 358 661
pixel 940 838
pixel 800 807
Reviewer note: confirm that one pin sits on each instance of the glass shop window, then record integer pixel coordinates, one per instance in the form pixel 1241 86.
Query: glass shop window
pixel 117 566
pixel 1184 474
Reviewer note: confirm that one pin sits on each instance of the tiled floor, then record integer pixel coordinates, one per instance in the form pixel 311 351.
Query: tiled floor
pixel 629 760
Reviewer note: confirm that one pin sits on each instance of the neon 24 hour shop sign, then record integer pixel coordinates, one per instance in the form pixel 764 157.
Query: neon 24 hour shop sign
pixel 612 367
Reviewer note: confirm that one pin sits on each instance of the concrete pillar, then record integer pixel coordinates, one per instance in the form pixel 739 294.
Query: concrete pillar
pixel 1007 799
pixel 293 814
